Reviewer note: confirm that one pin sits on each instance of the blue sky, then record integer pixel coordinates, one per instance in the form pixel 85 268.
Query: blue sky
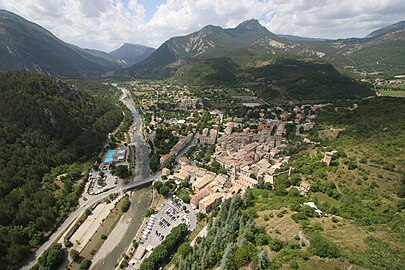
pixel 151 6
pixel 107 24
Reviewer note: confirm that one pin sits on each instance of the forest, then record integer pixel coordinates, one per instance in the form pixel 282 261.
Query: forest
pixel 49 129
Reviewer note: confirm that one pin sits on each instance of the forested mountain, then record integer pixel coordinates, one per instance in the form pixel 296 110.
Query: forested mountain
pixel 28 46
pixel 126 55
pixel 46 126
pixel 284 80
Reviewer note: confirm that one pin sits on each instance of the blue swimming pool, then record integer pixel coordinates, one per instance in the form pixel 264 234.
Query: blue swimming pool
pixel 109 157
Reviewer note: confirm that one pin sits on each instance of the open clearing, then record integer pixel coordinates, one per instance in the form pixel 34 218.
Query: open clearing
pixel 390 93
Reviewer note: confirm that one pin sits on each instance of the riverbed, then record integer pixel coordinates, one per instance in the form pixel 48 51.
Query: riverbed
pixel 124 232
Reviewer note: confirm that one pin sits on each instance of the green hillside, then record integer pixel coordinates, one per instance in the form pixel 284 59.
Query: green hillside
pixel 284 79
pixel 362 191
pixel 47 128
pixel 386 57
pixel 216 71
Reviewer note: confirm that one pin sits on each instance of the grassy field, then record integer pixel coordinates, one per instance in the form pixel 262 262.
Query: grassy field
pixel 392 93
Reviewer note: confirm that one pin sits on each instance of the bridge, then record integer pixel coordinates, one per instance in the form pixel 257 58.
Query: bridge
pixel 141 182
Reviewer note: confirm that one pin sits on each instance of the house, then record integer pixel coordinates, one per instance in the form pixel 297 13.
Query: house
pixel 246 181
pixel 201 183
pixel 199 196
pixel 265 127
pixel 206 204
pixel 181 176
pixel 229 128
pixel 308 126
pixel 328 157
pixel 304 187
pixel 183 161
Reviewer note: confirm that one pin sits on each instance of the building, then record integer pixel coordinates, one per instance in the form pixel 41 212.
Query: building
pixel 314 207
pixel 182 176
pixel 195 200
pixel 181 144
pixel 206 204
pixel 208 137
pixel 202 182
pixel 304 187
pixel 183 161
pixel 246 181
pixel 229 128
pixel 328 157
pixel 265 127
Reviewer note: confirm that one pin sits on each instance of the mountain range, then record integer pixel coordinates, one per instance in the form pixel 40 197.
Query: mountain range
pixel 28 46
pixel 126 55
pixel 251 44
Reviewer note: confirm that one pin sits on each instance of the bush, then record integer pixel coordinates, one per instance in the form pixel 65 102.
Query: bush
pixel 74 254
pixel 323 247
pixel 276 245
pixel 157 185
pixel 164 190
pixel 126 204
pixel 149 212
pixel 85 264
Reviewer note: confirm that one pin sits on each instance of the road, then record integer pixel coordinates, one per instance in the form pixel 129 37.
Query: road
pixel 141 178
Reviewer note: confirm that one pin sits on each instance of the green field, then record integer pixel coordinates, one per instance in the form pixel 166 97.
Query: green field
pixel 389 93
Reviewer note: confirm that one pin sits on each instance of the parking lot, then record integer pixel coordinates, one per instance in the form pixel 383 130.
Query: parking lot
pixel 169 216
pixel 98 184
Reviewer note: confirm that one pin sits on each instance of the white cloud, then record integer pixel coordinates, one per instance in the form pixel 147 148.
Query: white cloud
pixel 106 24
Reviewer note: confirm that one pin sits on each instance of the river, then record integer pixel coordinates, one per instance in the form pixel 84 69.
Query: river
pixel 124 232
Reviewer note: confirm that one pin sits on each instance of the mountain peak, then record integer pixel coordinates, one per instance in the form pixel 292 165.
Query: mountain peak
pixel 251 24
pixel 209 29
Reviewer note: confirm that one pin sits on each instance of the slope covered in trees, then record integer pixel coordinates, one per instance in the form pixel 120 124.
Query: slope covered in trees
pixel 45 125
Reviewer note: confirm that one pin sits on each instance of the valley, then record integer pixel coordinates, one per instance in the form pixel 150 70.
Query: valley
pixel 224 148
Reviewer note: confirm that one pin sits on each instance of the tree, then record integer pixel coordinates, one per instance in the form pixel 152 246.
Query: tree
pixel 85 264
pixel 157 185
pixel 276 245
pixel 323 247
pixel 294 192
pixel 262 262
pixel 164 190
pixel 121 171
pixel 126 204
pixel 74 254
pixel 227 262
pixel 51 259
pixel 248 199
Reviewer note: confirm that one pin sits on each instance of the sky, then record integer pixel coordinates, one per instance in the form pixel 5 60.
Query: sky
pixel 107 24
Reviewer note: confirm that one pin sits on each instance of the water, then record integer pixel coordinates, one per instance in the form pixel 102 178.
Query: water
pixel 140 199
pixel 109 157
